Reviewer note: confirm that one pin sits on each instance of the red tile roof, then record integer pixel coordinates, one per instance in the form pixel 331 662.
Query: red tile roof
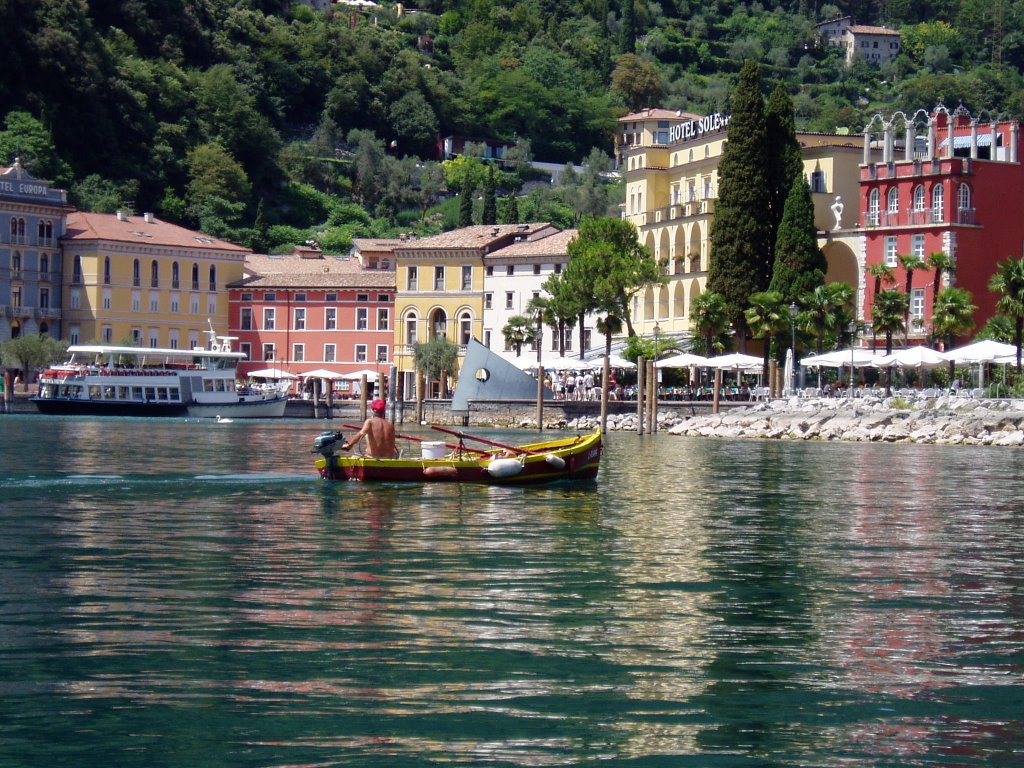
pixel 657 113
pixel 555 244
pixel 83 226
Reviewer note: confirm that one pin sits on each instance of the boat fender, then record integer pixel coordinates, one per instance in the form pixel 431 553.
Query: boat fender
pixel 440 472
pixel 504 467
pixel 555 461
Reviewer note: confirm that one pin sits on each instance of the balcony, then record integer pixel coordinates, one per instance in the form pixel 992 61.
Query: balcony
pixel 965 216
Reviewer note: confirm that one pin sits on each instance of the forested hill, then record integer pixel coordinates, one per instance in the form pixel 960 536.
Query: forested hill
pixel 202 108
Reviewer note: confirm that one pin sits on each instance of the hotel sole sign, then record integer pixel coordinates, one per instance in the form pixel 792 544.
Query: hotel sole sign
pixel 694 129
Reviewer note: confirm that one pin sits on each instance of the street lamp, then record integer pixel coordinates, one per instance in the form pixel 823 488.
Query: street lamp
pixel 794 310
pixel 853 336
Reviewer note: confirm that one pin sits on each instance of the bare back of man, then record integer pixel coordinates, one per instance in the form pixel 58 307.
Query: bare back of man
pixel 380 438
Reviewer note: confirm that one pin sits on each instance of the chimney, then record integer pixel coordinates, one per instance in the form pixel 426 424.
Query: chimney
pixel 148 217
pixel 122 215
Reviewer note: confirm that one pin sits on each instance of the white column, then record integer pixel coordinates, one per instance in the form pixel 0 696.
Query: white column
pixel 931 138
pixel 908 150
pixel 949 130
pixel 1014 140
pixel 887 152
pixel 974 138
pixel 867 146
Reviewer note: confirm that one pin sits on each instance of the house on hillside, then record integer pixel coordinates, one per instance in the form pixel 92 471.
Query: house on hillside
pixel 875 45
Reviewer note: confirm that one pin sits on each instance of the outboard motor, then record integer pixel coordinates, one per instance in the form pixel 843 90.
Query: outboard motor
pixel 326 443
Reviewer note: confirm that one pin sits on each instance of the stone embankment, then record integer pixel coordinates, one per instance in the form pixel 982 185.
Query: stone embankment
pixel 941 420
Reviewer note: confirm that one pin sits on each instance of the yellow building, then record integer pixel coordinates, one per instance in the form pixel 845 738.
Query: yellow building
pixel 139 280
pixel 669 161
pixel 440 289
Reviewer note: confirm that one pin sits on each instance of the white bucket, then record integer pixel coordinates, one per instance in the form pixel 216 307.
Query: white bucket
pixel 432 450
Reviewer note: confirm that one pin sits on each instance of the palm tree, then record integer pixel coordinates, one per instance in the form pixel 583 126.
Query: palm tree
pixel 952 315
pixel 943 265
pixel 1008 281
pixel 519 331
pixel 887 313
pixel 709 318
pixel 609 325
pixel 826 310
pixel 882 274
pixel 910 265
pixel 766 316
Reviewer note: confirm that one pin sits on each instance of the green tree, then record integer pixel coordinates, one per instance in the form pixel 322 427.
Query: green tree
pixel 368 177
pixel 767 315
pixel 608 266
pixel 826 311
pixel 628 10
pixel 26 138
pixel 435 358
pixel 31 353
pixel 490 208
pixel 882 274
pixel 99 195
pixel 943 265
pixel 800 264
pixel 464 172
pixel 466 207
pixel 952 316
pixel 910 265
pixel 215 176
pixel 741 246
pixel 509 213
pixel 637 82
pixel 887 313
pixel 260 242
pixel 785 162
pixel 709 316
pixel 1008 282
pixel 518 332
pixel 414 122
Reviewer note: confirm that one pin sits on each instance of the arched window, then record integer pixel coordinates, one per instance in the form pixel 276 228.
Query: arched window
pixel 963 197
pixel 154 274
pixel 195 277
pixel 44 266
pixel 873 206
pixel 174 276
pixel 919 197
pixel 411 323
pixel 106 270
pixel 76 270
pixel 45 232
pixel 136 279
pixel 213 277
pixel 938 202
pixel 892 206
pixel 465 327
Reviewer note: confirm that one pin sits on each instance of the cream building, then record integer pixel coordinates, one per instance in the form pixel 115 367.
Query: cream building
pixel 140 280
pixel 670 166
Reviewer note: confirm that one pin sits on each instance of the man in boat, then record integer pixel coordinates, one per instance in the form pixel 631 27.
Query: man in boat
pixel 379 434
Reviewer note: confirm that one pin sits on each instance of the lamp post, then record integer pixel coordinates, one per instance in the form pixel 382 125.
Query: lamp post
pixel 853 336
pixel 793 311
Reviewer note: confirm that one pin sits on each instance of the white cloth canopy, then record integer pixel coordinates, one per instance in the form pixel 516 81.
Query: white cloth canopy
pixel 984 351
pixel 735 361
pixel 839 358
pixel 683 360
pixel 356 375
pixel 321 373
pixel 912 357
pixel 614 361
pixel 271 373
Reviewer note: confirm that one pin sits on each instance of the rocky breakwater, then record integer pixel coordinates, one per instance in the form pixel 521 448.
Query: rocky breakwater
pixel 941 420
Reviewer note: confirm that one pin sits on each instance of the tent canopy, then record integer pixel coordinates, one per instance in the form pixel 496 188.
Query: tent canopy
pixel 684 360
pixel 271 373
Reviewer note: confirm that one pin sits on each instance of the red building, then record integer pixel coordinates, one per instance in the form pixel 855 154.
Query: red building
pixel 307 311
pixel 947 182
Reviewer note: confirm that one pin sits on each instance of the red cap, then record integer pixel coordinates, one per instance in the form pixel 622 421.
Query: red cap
pixel 378 406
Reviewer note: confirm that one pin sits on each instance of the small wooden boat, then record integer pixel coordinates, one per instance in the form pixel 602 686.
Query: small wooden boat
pixel 565 458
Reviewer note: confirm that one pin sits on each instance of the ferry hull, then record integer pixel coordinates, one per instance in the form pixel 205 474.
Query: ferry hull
pixel 66 407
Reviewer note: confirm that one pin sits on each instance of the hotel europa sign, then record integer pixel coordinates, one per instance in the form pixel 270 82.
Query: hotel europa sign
pixel 695 129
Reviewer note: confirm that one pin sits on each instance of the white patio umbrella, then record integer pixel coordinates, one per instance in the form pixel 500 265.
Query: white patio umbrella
pixel 912 357
pixel 684 360
pixel 370 374
pixel 615 361
pixel 839 358
pixel 735 361
pixel 271 373
pixel 984 351
pixel 321 373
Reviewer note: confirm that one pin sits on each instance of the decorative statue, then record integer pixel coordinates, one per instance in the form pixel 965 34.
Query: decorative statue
pixel 837 211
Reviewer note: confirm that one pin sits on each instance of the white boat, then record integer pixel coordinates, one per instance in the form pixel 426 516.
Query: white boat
pixel 103 380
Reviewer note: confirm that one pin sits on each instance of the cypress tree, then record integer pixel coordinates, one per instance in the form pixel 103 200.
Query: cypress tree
pixel 628 26
pixel 741 245
pixel 510 211
pixel 784 159
pixel 800 265
pixel 466 206
pixel 490 212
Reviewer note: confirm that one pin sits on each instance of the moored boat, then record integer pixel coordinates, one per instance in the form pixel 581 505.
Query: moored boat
pixel 577 457
pixel 104 380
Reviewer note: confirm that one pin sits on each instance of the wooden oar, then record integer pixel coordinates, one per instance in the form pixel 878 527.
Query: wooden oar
pixel 464 436
pixel 453 446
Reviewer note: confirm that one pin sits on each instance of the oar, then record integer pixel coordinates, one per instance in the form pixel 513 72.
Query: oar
pixel 421 440
pixel 464 436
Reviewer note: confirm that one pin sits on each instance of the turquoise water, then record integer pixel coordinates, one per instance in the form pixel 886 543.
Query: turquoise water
pixel 177 593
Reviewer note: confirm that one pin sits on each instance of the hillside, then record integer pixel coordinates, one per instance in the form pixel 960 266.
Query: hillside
pixel 201 109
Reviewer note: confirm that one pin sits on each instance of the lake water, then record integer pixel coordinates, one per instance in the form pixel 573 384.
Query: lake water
pixel 181 594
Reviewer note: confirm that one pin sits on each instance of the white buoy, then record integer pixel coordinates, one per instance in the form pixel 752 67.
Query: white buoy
pixel 504 467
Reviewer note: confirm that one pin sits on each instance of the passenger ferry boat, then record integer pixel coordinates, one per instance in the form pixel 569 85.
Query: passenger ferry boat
pixel 102 380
